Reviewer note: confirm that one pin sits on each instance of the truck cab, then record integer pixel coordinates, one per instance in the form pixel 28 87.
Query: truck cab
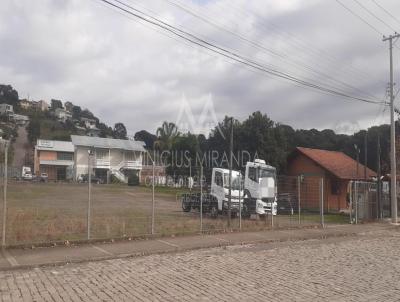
pixel 260 188
pixel 220 189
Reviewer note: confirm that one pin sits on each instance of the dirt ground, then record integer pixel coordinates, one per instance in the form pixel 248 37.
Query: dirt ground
pixel 48 212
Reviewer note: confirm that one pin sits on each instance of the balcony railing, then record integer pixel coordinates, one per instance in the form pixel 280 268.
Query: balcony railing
pixel 102 163
pixel 127 164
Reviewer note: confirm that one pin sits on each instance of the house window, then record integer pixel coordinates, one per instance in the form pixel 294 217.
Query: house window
pixel 253 174
pixel 334 187
pixel 102 154
pixel 64 156
pixel 130 156
pixel 218 179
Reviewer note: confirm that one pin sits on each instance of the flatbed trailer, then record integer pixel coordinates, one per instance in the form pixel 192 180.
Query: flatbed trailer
pixel 193 201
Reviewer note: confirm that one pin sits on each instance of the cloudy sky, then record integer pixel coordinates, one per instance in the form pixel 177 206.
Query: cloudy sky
pixel 125 70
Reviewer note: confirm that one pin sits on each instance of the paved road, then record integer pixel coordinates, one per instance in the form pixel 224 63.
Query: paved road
pixel 362 268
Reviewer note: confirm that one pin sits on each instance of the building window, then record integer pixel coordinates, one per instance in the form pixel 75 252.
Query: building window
pixel 65 156
pixel 130 156
pixel 102 154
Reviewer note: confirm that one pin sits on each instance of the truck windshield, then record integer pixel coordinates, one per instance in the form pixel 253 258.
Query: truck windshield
pixel 265 173
pixel 235 181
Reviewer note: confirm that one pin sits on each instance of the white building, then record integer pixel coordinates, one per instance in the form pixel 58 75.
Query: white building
pixel 6 109
pixel 110 156
pixel 62 115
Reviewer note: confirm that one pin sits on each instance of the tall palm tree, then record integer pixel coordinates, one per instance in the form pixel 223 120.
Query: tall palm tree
pixel 166 136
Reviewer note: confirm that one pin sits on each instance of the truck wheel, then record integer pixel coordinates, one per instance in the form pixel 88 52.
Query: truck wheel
pixel 214 211
pixel 245 212
pixel 186 206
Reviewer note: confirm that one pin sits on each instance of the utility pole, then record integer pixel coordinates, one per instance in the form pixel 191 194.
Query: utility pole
pixel 230 174
pixel 379 189
pixel 393 189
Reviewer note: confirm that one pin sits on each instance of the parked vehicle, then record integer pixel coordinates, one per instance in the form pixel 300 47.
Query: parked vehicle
pixel 94 179
pixel 44 177
pixel 216 202
pixel 26 173
pixel 260 188
pixel 287 203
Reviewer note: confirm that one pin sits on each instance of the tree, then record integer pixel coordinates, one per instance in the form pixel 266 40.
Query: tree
pixel 34 129
pixel 166 134
pixel 119 131
pixel 9 95
pixel 76 112
pixel 55 104
pixel 105 131
pixel 146 137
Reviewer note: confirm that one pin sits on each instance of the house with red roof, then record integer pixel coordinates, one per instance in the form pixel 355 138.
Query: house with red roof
pixel 335 168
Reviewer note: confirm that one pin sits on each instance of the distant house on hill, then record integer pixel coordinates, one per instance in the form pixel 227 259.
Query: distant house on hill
pixel 62 115
pixel 68 106
pixel 6 109
pixel 25 104
pixel 42 105
pixel 335 168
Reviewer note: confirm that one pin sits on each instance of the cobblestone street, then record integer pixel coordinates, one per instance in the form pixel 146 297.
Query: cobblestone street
pixel 362 268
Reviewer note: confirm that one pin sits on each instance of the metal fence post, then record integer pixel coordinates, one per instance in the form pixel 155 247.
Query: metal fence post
pixel 152 196
pixel 89 193
pixel 201 199
pixel 3 242
pixel 322 202
pixel 351 195
pixel 298 197
pixel 356 200
pixel 240 203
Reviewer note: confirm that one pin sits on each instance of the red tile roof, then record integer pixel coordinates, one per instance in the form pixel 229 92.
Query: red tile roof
pixel 337 163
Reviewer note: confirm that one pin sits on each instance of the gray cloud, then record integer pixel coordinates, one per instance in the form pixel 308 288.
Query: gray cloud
pixel 123 70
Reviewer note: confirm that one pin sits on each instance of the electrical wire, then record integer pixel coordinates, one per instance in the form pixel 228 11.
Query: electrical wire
pixel 374 15
pixel 296 42
pixel 359 17
pixel 226 53
pixel 386 11
pixel 264 49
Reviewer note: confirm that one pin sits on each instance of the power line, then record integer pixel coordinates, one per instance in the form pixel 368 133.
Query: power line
pixel 386 11
pixel 359 17
pixel 295 41
pixel 266 50
pixel 374 15
pixel 226 53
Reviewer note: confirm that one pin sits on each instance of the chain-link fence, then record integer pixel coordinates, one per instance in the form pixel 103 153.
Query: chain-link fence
pixel 40 211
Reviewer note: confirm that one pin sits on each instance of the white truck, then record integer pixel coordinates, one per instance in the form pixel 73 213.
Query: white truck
pixel 217 201
pixel 26 173
pixel 260 189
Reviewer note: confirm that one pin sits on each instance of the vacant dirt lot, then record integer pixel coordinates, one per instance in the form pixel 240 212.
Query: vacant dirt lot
pixel 39 212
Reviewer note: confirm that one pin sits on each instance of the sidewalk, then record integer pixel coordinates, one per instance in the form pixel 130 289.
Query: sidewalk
pixel 11 259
